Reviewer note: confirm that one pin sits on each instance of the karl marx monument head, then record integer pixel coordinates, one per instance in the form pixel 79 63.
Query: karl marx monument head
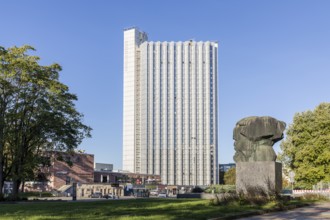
pixel 254 138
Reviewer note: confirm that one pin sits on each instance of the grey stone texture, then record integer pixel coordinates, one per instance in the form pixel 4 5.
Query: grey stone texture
pixel 258 177
pixel 254 138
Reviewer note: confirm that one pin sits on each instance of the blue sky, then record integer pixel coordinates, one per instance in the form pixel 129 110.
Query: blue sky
pixel 274 56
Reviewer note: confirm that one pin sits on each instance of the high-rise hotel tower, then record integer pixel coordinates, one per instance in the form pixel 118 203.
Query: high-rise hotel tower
pixel 170 109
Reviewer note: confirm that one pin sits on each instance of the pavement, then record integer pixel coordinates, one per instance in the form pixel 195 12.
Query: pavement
pixel 315 211
pixel 79 199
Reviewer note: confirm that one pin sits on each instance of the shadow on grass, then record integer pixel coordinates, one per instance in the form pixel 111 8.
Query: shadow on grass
pixel 172 209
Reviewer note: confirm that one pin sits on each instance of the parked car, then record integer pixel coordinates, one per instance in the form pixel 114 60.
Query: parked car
pixel 96 195
pixel 162 195
pixel 109 196
pixel 153 193
pixel 287 192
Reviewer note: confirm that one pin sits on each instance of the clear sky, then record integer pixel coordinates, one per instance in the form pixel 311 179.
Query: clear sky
pixel 274 56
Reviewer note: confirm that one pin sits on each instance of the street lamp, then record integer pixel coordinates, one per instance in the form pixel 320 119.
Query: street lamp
pixel 195 159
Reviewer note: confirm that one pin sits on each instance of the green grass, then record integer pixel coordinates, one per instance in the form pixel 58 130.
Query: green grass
pixel 151 209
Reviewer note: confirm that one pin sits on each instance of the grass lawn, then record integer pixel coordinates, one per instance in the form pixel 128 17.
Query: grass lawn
pixel 162 209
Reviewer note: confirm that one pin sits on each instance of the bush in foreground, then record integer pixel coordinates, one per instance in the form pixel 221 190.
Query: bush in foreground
pixel 314 197
pixel 253 196
pixel 221 189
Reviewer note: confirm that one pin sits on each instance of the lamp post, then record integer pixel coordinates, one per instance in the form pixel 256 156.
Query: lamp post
pixel 195 159
pixel 74 191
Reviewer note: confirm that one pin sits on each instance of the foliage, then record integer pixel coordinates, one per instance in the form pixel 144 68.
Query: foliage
pixel 242 199
pixel 314 197
pixel 37 113
pixel 230 176
pixel 255 195
pixel 224 199
pixel 221 189
pixel 260 197
pixel 306 149
pixel 150 186
pixel 285 183
pixel 36 194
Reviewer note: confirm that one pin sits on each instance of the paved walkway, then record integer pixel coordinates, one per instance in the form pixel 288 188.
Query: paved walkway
pixel 79 199
pixel 316 211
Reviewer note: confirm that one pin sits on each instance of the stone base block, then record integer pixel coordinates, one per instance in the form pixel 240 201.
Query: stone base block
pixel 262 176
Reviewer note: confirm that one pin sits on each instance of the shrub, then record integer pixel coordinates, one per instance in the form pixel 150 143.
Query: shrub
pixel 252 196
pixel 36 194
pixel 150 186
pixel 221 189
pixel 258 195
pixel 314 196
pixel 224 199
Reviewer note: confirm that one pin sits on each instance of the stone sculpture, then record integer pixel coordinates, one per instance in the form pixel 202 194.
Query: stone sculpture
pixel 254 138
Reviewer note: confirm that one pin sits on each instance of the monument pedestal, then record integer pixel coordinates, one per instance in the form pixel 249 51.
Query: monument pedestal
pixel 259 176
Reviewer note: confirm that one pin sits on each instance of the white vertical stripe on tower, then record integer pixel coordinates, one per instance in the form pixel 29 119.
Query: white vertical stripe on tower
pixel 200 137
pixel 186 106
pixel 144 107
pixel 193 104
pixel 171 114
pixel 151 131
pixel 179 114
pixel 207 90
pixel 216 111
pixel 129 100
pixel 164 104
pixel 157 112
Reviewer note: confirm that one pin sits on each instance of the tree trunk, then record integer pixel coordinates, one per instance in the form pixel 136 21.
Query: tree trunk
pixel 2 178
pixel 23 184
pixel 2 143
pixel 16 179
pixel 2 181
pixel 16 184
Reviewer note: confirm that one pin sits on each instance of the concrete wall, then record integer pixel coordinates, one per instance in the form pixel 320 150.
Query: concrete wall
pixel 259 175
pixel 85 190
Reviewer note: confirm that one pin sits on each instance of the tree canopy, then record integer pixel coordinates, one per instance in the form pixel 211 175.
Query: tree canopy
pixel 306 149
pixel 230 176
pixel 37 114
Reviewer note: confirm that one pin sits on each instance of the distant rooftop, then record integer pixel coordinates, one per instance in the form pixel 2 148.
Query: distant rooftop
pixel 130 28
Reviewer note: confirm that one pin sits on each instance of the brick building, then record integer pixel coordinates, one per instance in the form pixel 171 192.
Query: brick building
pixel 67 168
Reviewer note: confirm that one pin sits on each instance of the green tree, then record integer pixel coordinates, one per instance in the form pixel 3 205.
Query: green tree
pixel 37 113
pixel 230 176
pixel 306 149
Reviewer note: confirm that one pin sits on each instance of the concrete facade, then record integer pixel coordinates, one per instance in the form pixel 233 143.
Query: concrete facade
pixel 264 175
pixel 106 177
pixel 86 190
pixel 103 167
pixel 132 40
pixel 226 167
pixel 115 177
pixel 170 118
